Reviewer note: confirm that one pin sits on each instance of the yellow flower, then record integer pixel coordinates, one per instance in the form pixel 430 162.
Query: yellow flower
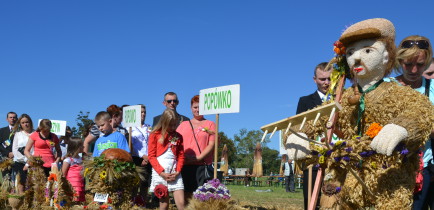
pixel 321 159
pixel 374 165
pixel 338 143
pixel 103 175
pixel 86 171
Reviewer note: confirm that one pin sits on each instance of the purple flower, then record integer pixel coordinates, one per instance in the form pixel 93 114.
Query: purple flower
pixel 338 189
pixel 348 149
pixel 404 152
pixel 328 153
pixel 364 154
pixel 346 158
pixel 344 144
pixel 337 159
pixel 371 152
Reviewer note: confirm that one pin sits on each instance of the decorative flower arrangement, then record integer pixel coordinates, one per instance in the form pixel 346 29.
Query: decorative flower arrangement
pixel 161 191
pixel 58 190
pixel 339 48
pixel 113 177
pixel 212 190
pixel 340 67
pixel 343 152
pixel 174 140
pixel 212 195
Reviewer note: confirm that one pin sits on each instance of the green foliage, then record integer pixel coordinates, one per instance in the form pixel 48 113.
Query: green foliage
pixel 245 143
pixel 83 124
pixel 270 160
pixel 74 131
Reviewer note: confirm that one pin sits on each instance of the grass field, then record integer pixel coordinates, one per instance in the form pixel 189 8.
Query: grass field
pixel 275 198
pixel 261 198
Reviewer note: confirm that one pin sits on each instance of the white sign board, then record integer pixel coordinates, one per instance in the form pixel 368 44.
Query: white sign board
pixel 100 197
pixel 58 127
pixel 131 116
pixel 218 100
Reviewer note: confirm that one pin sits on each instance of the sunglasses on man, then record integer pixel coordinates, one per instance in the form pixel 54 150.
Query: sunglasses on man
pixel 421 44
pixel 170 101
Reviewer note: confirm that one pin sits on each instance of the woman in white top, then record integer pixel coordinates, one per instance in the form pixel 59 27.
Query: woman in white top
pixel 23 128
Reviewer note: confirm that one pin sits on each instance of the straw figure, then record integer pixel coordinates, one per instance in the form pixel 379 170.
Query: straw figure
pixel 35 184
pixel 225 161
pixel 115 174
pixel 381 126
pixel 257 161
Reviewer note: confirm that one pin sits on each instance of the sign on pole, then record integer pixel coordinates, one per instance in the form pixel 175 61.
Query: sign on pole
pixel 58 127
pixel 131 116
pixel 219 100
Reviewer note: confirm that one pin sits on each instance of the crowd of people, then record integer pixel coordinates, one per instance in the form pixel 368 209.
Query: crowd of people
pixel 172 151
pixel 175 148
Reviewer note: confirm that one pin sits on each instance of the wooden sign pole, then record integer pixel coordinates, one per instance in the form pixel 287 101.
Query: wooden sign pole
pixel 129 140
pixel 216 144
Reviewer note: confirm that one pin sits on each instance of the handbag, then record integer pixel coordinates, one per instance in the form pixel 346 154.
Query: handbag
pixel 204 172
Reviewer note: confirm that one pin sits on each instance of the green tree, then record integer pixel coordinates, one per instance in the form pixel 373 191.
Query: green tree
pixel 270 160
pixel 245 144
pixel 224 140
pixel 83 123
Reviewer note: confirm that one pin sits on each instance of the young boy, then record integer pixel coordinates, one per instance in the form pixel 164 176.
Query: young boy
pixel 111 138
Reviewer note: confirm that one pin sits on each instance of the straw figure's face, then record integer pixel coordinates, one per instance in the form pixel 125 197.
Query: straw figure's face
pixel 367 58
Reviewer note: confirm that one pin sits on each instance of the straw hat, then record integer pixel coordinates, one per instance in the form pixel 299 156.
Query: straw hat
pixel 368 29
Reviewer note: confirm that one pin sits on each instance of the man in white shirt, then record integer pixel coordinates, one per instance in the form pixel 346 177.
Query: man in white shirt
pixel 288 171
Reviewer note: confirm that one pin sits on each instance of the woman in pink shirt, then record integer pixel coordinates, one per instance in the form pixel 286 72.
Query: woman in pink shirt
pixel 45 144
pixel 198 135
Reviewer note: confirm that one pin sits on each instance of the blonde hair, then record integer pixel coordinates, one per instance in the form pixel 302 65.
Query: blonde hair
pixel 408 53
pixel 102 116
pixel 169 116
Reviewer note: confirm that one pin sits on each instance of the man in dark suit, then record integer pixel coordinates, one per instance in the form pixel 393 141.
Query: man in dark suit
pixel 171 102
pixel 322 81
pixel 7 136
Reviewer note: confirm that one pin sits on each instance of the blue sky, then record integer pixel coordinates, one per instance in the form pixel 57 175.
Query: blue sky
pixel 58 58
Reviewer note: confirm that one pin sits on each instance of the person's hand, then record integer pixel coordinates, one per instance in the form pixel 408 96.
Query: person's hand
pixel 165 176
pixel 11 155
pixel 173 176
pixel 25 167
pixel 145 160
pixel 387 139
